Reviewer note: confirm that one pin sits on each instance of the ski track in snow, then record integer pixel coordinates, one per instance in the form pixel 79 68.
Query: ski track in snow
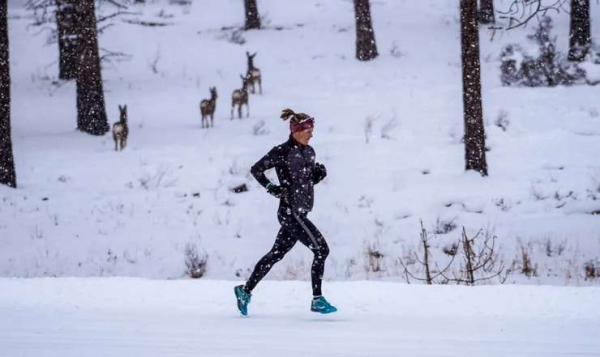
pixel 138 317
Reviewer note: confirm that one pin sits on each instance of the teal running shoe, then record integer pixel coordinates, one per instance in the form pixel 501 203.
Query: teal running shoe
pixel 322 306
pixel 243 299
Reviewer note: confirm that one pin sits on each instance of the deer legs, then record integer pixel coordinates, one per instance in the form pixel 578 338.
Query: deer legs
pixel 239 110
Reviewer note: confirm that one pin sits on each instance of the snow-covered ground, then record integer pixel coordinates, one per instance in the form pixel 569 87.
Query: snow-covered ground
pixel 130 317
pixel 82 209
pixel 389 132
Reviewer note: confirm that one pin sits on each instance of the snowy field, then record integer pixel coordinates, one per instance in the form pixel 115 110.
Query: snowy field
pixel 84 210
pixel 100 223
pixel 74 317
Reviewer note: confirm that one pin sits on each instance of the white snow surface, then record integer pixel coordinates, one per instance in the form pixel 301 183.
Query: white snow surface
pixel 592 72
pixel 66 317
pixel 82 209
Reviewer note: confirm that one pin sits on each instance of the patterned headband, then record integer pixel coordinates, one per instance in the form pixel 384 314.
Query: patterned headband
pixel 302 125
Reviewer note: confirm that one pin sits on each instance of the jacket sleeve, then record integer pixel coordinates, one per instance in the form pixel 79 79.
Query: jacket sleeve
pixel 269 161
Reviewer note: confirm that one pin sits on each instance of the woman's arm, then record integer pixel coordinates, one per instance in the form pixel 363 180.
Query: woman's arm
pixel 270 160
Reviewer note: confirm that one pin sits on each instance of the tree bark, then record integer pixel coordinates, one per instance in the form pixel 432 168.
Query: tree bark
pixel 91 111
pixel 67 38
pixel 471 76
pixel 252 17
pixel 7 163
pixel 486 12
pixel 366 48
pixel 580 37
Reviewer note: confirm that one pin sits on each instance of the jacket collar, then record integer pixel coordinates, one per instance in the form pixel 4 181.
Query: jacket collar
pixel 295 143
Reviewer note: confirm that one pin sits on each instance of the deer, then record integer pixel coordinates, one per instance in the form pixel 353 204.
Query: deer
pixel 253 73
pixel 120 129
pixel 207 108
pixel 240 97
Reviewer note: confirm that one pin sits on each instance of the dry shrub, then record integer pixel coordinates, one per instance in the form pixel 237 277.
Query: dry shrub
pixel 195 263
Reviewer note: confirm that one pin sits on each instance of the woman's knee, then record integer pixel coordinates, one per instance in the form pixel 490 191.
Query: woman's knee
pixel 322 252
pixel 275 255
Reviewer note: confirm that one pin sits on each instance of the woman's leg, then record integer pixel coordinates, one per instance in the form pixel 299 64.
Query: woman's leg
pixel 312 238
pixel 284 242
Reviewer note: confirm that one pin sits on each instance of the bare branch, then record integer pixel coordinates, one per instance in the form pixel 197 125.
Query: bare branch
pixel 520 12
pixel 147 23
pixel 407 272
pixel 441 271
pixel 38 4
pixel 425 261
pixel 104 18
pixel 419 260
pixel 107 17
pixel 117 4
pixel 485 258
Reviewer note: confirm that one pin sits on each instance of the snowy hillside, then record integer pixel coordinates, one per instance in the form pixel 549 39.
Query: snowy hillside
pixel 389 132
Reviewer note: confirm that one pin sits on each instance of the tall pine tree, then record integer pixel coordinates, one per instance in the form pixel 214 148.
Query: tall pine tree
pixel 67 38
pixel 91 111
pixel 366 48
pixel 580 37
pixel 486 12
pixel 252 17
pixel 7 163
pixel 471 77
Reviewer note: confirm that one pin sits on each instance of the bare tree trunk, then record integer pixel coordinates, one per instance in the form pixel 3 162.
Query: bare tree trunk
pixel 486 12
pixel 580 37
pixel 252 17
pixel 469 256
pixel 7 163
pixel 366 48
pixel 471 77
pixel 91 112
pixel 67 38
pixel 424 240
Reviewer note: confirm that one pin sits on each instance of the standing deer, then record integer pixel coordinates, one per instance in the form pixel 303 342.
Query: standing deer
pixel 120 129
pixel 240 97
pixel 253 73
pixel 207 108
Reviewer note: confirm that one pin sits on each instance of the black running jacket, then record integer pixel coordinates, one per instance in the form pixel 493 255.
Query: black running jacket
pixel 295 167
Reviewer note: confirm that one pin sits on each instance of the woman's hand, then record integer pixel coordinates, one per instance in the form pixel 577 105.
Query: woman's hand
pixel 319 173
pixel 275 190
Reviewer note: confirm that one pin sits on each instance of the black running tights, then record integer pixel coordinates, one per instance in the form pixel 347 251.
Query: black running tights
pixel 294 227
